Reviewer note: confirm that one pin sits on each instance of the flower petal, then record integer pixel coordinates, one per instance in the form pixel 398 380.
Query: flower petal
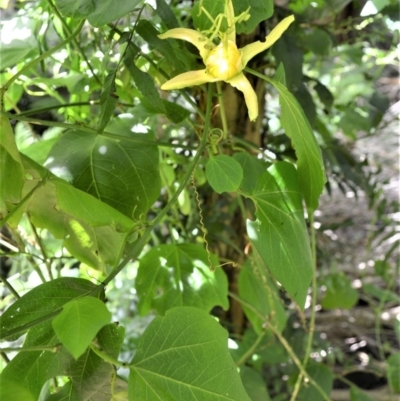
pixel 241 83
pixel 253 49
pixel 190 78
pixel 190 35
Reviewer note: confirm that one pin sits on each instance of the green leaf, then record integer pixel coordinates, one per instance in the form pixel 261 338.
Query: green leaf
pixel 318 41
pixel 256 288
pixel 184 357
pixel 223 173
pixel 120 172
pixel 393 372
pixel 383 295
pixel 321 375
pixel 179 275
pixel 42 300
pixel 254 384
pixel 309 160
pixel 13 390
pixel 358 395
pixel 11 169
pixel 91 376
pixel 339 293
pixel 260 10
pixel 108 101
pixel 279 234
pixel 92 231
pixel 78 323
pixel 252 168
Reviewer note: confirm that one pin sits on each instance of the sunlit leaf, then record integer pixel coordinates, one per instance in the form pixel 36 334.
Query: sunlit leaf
pixel 179 275
pixel 184 356
pixel 120 172
pixel 78 323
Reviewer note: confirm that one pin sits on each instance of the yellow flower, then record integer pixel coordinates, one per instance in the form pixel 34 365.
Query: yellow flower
pixel 224 62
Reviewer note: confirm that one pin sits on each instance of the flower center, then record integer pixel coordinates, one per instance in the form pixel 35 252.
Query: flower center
pixel 224 61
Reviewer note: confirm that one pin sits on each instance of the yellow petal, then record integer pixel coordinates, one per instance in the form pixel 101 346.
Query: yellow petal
pixel 224 61
pixel 192 36
pixel 241 83
pixel 253 49
pixel 230 13
pixel 190 78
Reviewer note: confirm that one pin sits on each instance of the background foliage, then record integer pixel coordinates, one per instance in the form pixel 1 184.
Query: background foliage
pixel 146 254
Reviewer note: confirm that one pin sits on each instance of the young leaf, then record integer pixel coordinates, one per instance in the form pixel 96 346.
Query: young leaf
pixel 183 356
pixel 256 288
pixel 358 395
pixel 108 100
pixel 279 234
pixel 11 169
pixel 78 323
pixel 224 173
pixel 41 301
pixel 120 172
pixel 309 160
pixel 183 274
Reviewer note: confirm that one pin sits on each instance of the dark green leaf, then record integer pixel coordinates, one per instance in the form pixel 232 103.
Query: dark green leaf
pixel 144 82
pixel 179 275
pixel 254 384
pixel 184 357
pixel 223 173
pixel 256 288
pixel 309 160
pixel 42 300
pixel 324 94
pixel 280 74
pixel 166 14
pixel 78 323
pixel 318 41
pixel 358 395
pixel 108 100
pixel 11 169
pixel 260 10
pixel 339 293
pixel 119 172
pixel 279 234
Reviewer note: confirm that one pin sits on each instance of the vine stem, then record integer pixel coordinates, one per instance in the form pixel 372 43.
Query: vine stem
pixel 222 109
pixel 251 350
pixel 138 245
pixel 313 304
pixel 9 286
pixel 51 348
pixel 43 56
